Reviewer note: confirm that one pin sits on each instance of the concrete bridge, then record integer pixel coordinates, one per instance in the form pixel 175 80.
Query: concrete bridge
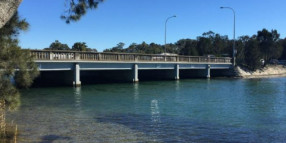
pixel 132 64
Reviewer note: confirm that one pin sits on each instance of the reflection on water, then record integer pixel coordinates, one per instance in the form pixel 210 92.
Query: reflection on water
pixel 171 111
pixel 155 118
pixel 77 98
pixel 155 113
pixel 177 85
pixel 78 111
pixel 136 91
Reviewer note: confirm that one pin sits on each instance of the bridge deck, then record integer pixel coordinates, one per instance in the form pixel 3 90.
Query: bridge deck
pixel 72 56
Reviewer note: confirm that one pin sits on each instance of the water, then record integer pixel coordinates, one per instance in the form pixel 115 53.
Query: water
pixel 197 110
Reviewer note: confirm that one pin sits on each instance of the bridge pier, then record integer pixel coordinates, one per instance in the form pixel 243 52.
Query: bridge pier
pixel 177 72
pixel 135 73
pixel 208 71
pixel 77 81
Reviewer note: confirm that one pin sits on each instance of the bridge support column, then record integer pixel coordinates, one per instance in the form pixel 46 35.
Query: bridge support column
pixel 208 71
pixel 177 72
pixel 77 82
pixel 135 73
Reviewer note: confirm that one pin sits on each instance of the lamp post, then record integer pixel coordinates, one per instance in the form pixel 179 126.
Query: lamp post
pixel 166 29
pixel 233 50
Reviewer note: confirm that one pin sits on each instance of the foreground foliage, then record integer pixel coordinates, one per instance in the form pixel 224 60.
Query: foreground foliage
pixel 78 8
pixel 17 67
pixel 75 9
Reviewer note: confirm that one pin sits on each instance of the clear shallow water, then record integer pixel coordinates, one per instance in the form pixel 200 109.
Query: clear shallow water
pixel 197 110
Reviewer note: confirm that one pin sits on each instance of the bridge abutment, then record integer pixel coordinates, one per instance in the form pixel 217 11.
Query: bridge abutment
pixel 77 81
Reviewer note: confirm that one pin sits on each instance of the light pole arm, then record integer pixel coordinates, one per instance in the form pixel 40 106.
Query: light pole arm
pixel 166 29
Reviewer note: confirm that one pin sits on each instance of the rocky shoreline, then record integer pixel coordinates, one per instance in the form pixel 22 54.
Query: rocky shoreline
pixel 267 71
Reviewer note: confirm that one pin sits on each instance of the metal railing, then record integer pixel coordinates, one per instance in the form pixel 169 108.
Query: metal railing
pixel 122 57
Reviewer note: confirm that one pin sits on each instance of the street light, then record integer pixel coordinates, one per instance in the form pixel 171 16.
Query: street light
pixel 233 50
pixel 166 29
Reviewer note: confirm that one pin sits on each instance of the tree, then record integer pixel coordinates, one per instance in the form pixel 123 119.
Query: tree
pixel 81 46
pixel 118 48
pixel 154 49
pixel 283 44
pixel 213 43
pixel 141 48
pixel 188 47
pixel 252 58
pixel 12 58
pixel 132 48
pixel 58 46
pixel 205 43
pixel 74 11
pixel 268 44
pixel 240 47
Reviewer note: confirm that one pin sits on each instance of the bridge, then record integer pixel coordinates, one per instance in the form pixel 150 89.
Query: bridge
pixel 132 64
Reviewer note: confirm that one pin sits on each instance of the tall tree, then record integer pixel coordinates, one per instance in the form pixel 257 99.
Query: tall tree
pixel 268 44
pixel 252 57
pixel 240 47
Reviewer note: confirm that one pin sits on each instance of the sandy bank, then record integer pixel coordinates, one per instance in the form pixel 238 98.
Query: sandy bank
pixel 268 71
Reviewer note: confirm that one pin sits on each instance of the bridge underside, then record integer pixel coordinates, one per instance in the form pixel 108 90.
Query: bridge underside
pixel 68 73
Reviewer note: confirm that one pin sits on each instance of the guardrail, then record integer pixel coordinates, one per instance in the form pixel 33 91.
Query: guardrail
pixel 123 57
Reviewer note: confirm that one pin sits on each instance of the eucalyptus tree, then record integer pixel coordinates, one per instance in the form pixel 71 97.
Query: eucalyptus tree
pixel 269 44
pixel 252 54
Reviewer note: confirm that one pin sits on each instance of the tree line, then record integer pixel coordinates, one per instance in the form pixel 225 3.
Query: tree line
pixel 250 50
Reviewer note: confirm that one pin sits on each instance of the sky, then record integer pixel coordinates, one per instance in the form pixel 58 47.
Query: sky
pixel 135 21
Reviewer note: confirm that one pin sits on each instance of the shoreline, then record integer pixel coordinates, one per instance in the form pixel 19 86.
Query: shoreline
pixel 269 71
pixel 263 76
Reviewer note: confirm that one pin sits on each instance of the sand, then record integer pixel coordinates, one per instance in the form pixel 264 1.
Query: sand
pixel 267 71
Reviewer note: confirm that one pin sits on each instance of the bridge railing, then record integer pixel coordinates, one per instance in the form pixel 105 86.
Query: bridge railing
pixel 92 56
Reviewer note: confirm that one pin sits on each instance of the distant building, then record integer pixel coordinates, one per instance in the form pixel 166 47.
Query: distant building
pixel 169 54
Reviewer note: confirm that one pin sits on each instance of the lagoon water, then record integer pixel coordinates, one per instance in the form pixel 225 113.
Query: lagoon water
pixel 193 110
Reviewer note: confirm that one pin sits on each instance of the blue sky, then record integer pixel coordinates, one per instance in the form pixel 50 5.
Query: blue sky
pixel 135 21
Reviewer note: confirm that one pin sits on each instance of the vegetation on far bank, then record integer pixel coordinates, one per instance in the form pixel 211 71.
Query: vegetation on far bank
pixel 266 45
